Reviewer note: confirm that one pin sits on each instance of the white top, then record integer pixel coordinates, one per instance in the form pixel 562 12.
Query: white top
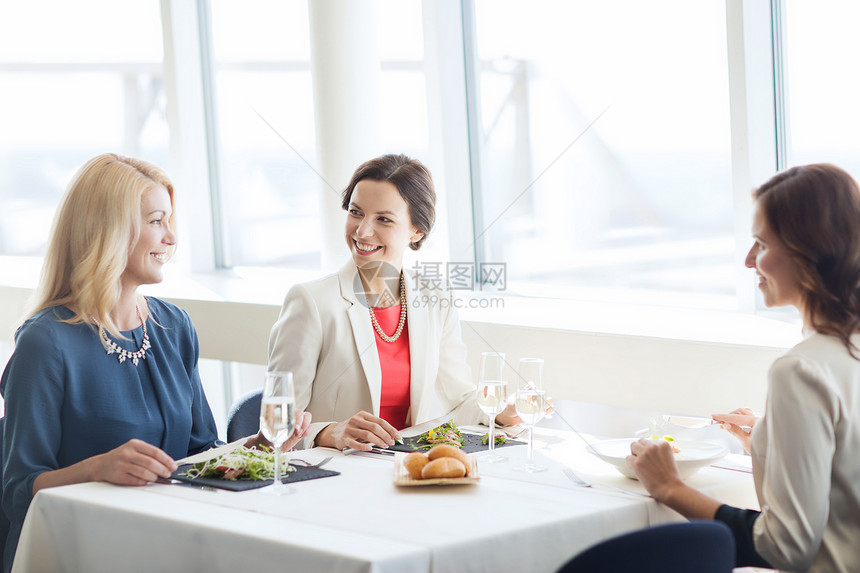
pixel 325 337
pixel 806 460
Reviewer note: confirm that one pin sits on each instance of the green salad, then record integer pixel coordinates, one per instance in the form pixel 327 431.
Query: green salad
pixel 498 440
pixel 243 463
pixel 447 433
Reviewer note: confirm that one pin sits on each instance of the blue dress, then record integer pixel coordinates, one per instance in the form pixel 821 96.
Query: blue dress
pixel 67 400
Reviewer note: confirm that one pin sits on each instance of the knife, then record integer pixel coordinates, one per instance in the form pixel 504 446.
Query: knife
pixel 689 421
pixel 373 450
pixel 694 422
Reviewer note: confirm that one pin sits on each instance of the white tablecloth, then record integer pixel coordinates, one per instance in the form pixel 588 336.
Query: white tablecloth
pixel 358 521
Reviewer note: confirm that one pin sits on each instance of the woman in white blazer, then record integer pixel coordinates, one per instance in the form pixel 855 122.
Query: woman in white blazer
pixel 374 348
pixel 806 448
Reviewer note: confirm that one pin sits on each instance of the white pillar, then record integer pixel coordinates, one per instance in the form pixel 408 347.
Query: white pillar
pixel 448 129
pixel 188 168
pixel 750 57
pixel 345 68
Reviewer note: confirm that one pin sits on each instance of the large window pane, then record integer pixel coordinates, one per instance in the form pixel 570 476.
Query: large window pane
pixel 264 107
pixel 76 79
pixel 639 201
pixel 822 49
pixel 265 116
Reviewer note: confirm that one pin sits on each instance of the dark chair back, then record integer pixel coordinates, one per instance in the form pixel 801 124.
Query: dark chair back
pixel 701 546
pixel 4 521
pixel 244 418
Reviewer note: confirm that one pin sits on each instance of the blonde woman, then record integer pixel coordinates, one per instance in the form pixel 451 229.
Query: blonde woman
pixel 103 383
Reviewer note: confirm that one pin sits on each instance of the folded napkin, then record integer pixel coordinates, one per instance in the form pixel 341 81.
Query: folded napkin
pixel 211 453
pixel 510 431
pixel 735 462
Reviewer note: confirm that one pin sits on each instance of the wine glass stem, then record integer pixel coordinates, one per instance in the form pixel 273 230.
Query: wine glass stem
pixel 492 434
pixel 531 443
pixel 277 483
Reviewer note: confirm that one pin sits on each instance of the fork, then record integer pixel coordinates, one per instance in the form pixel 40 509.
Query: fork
pixel 170 481
pixel 582 483
pixel 304 464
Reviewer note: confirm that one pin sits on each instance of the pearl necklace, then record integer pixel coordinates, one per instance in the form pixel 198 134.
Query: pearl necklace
pixel 400 324
pixel 121 353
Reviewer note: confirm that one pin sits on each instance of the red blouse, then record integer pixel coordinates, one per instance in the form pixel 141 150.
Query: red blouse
pixel 394 361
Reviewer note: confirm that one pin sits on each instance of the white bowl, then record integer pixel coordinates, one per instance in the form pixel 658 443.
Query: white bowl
pixel 693 455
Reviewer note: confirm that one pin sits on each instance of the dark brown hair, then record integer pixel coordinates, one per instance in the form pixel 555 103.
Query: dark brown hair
pixel 814 210
pixel 413 181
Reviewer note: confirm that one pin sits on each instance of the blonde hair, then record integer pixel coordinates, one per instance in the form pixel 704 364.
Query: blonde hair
pixel 96 227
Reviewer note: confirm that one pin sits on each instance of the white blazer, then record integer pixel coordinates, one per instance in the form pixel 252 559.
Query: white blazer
pixel 806 459
pixel 325 337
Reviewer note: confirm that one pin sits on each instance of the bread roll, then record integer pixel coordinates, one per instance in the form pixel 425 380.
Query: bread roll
pixel 414 463
pixel 444 468
pixel 446 451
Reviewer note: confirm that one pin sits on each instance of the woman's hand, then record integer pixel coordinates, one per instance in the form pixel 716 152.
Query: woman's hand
pixel 303 422
pixel 653 462
pixel 509 416
pixel 736 423
pixel 360 432
pixel 133 463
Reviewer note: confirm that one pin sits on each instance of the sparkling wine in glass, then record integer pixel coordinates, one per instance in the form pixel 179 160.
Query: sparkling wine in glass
pixel 278 420
pixel 492 397
pixel 530 404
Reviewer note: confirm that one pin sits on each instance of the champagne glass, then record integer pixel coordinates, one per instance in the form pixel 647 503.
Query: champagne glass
pixel 492 396
pixel 278 420
pixel 530 404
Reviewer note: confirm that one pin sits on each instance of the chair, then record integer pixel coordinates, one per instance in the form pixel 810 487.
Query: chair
pixel 4 521
pixel 244 417
pixel 701 546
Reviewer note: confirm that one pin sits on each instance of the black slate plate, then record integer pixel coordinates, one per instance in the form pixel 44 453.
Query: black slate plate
pixel 301 474
pixel 473 444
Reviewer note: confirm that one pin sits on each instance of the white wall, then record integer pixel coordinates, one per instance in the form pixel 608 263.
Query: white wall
pixel 671 376
pixel 628 370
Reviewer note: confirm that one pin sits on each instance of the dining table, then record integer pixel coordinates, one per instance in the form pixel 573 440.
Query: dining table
pixel 359 520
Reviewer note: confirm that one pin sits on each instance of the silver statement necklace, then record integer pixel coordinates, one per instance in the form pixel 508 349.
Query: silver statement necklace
pixel 400 324
pixel 121 353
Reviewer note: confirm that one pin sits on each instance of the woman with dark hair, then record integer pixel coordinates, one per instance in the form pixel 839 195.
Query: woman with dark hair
pixel 374 349
pixel 806 447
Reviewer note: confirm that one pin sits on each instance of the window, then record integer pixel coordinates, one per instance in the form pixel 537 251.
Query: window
pixel 604 148
pixel 68 93
pixel 823 83
pixel 605 151
pixel 265 127
pixel 267 140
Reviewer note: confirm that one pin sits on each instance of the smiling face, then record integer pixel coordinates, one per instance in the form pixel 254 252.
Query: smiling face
pixel 152 250
pixel 776 270
pixel 378 226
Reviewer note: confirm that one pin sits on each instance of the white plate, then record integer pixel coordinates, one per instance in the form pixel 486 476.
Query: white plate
pixel 693 455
